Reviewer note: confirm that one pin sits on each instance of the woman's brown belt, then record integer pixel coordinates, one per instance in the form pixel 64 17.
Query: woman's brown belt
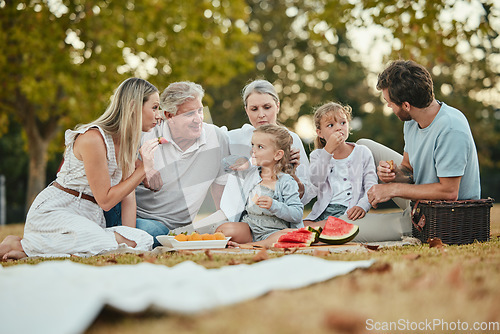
pixel 74 193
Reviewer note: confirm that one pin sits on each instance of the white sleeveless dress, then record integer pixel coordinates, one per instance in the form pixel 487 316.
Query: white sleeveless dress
pixel 60 224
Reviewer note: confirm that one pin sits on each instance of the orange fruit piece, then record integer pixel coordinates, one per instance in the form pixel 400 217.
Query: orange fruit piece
pixel 195 236
pixel 207 236
pixel 181 237
pixel 219 236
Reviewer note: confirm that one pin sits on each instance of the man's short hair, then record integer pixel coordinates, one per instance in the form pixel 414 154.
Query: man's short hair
pixel 178 93
pixel 407 81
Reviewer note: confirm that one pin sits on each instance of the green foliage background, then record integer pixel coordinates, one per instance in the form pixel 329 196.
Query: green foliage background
pixel 61 60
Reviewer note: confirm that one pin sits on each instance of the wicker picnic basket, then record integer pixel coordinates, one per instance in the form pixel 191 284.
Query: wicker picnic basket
pixel 454 222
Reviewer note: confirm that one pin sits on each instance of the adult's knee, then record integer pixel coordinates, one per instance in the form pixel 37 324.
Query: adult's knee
pixel 365 141
pixel 153 227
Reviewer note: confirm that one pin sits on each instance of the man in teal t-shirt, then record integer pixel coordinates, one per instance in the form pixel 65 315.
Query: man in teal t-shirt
pixel 440 158
pixel 444 149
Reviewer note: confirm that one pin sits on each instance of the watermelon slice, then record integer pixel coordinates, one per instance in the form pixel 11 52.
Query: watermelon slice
pixel 338 231
pixel 302 235
pixel 316 231
pixel 289 245
pixel 162 140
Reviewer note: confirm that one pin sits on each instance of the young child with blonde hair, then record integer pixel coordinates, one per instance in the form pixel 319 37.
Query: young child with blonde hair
pixel 342 172
pixel 271 201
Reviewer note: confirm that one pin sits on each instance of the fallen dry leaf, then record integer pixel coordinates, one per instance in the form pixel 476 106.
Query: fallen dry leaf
pixel 435 242
pixel 209 254
pixel 371 247
pixel 112 259
pixel 345 322
pixel 260 256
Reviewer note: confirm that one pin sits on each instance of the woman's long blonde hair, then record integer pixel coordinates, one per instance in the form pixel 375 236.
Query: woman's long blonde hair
pixel 327 108
pixel 282 141
pixel 123 117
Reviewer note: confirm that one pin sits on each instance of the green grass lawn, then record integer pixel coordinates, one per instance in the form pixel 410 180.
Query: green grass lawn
pixel 407 286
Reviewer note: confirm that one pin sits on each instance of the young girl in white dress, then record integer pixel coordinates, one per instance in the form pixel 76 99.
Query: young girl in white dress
pixel 271 195
pixel 342 172
pixel 100 169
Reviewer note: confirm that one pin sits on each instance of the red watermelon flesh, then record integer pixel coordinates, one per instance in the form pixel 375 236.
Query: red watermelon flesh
pixel 289 244
pixel 301 235
pixel 338 231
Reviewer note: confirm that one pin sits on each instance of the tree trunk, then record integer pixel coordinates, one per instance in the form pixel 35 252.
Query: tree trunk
pixel 39 134
pixel 37 168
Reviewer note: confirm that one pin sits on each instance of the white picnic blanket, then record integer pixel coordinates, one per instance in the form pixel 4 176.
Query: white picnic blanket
pixel 65 297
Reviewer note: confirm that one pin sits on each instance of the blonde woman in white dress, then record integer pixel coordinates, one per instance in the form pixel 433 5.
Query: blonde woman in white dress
pixel 101 168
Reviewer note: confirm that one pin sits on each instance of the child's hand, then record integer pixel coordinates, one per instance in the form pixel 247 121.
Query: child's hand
pixel 355 212
pixel 334 141
pixel 264 202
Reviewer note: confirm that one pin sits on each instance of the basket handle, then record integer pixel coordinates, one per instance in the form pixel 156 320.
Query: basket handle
pixel 421 222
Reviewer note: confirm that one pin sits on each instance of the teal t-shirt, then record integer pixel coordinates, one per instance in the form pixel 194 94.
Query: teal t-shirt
pixel 445 148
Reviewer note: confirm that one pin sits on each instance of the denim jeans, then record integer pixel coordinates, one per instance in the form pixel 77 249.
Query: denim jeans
pixel 153 227
pixel 114 216
pixel 335 210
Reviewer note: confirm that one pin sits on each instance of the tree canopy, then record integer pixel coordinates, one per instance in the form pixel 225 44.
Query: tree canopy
pixel 61 60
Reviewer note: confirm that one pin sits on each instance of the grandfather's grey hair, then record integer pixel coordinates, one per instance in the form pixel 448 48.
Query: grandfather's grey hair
pixel 178 93
pixel 259 86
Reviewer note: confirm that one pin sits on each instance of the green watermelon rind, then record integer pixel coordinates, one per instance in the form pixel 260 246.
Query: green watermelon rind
pixel 333 240
pixel 316 230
